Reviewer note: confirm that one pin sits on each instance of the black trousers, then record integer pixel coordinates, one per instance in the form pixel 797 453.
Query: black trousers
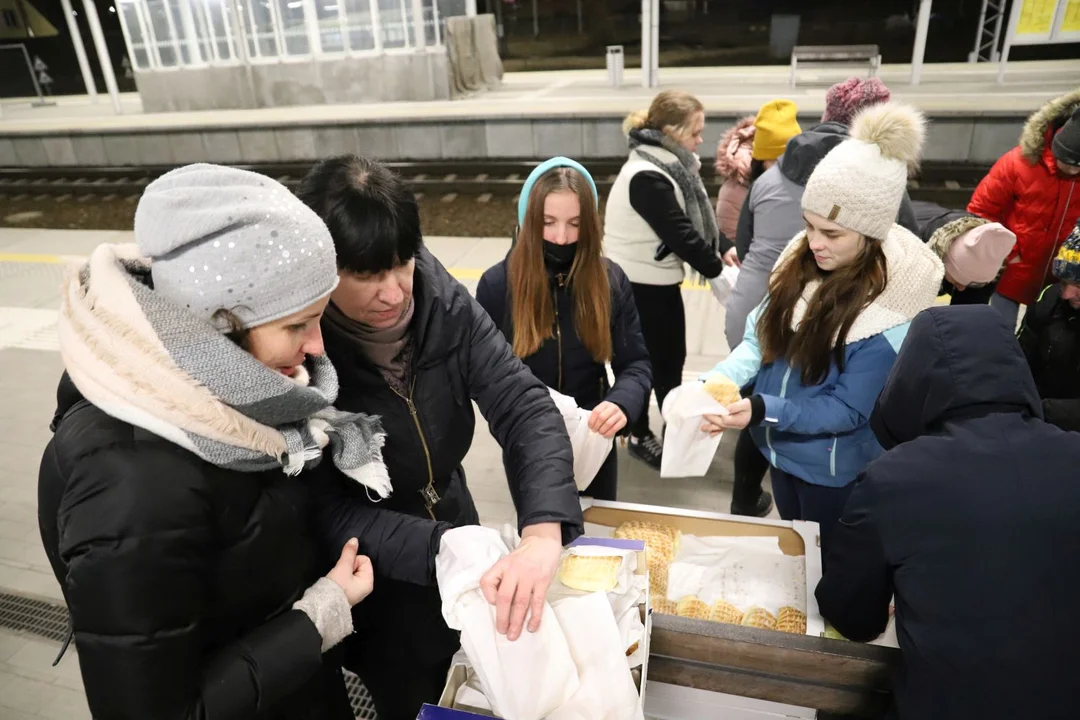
pixel 401 648
pixel 797 499
pixel 606 482
pixel 750 469
pixel 663 325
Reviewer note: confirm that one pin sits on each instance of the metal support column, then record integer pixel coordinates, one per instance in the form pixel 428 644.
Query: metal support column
pixel 470 8
pixel 921 30
pixel 419 36
pixel 650 43
pixel 191 34
pixel 988 32
pixel 80 50
pixel 1010 35
pixel 94 22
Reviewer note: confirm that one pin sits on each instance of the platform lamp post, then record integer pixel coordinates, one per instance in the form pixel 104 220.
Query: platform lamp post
pixel 80 50
pixel 921 30
pixel 94 22
pixel 650 43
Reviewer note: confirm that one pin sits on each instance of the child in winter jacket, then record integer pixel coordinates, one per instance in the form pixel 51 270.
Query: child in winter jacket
pixel 1034 190
pixel 821 344
pixel 567 311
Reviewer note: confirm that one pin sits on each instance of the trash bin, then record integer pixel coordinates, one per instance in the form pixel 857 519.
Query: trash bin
pixel 615 63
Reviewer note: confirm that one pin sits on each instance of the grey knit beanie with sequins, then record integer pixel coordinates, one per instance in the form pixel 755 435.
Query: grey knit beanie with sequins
pixel 223 238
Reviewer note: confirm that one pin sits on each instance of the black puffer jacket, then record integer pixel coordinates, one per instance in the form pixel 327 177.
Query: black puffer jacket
pixel 458 356
pixel 563 362
pixel 970 520
pixel 180 577
pixel 1050 338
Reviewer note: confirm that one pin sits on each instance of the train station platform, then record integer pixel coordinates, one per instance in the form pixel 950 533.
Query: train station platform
pixel 532 115
pixel 32 263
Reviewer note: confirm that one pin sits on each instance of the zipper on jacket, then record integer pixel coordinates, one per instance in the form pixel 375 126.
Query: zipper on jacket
pixel 832 460
pixel 431 497
pixel 559 280
pixel 768 430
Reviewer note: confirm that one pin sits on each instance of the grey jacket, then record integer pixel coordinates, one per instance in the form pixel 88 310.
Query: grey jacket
pixel 772 216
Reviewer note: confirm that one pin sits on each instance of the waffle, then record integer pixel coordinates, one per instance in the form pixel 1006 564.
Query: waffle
pixel 658 577
pixel 660 540
pixel 692 607
pixel 724 612
pixel 663 606
pixel 759 618
pixel 791 620
pixel 590 573
pixel 723 390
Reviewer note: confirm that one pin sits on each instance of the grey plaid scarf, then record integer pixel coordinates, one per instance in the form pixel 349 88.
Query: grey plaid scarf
pixel 153 364
pixel 687 174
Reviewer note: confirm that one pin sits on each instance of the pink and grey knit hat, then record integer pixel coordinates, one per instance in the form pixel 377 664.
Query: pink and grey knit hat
pixel 844 100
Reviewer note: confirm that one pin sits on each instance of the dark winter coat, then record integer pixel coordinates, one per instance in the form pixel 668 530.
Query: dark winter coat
pixel 1025 193
pixel 1050 338
pixel 970 519
pixel 458 356
pixel 562 362
pixel 180 577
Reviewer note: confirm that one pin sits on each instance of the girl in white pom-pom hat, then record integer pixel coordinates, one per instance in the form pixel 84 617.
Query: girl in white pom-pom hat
pixel 821 344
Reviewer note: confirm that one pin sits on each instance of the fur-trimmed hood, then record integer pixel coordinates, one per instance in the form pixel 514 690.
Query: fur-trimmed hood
pixel 734 151
pixel 1036 135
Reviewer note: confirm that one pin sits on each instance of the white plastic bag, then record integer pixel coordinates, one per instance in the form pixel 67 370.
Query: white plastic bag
pixel 724 284
pixel 607 690
pixel 688 451
pixel 591 449
pixel 524 680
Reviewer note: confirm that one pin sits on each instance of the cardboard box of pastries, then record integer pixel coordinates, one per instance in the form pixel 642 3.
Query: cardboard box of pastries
pixel 449 709
pixel 661 529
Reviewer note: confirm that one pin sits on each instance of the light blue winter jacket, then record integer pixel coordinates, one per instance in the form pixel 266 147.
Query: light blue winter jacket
pixel 821 433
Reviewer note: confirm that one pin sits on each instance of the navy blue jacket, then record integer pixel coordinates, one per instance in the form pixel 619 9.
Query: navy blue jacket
pixel 563 363
pixel 971 520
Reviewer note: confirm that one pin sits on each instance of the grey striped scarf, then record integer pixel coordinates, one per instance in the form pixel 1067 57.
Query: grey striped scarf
pixel 153 364
pixel 687 173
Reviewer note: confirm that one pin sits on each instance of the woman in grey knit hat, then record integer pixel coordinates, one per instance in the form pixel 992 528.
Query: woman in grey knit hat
pixel 172 498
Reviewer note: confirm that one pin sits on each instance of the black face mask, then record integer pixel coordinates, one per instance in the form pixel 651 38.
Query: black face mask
pixel 559 257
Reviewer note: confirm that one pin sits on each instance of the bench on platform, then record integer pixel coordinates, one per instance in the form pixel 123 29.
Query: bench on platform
pixel 817 54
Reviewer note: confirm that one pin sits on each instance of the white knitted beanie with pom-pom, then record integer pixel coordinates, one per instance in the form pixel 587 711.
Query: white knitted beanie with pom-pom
pixel 860 183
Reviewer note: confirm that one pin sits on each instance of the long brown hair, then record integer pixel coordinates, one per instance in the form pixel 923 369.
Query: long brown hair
pixel 532 302
pixel 843 294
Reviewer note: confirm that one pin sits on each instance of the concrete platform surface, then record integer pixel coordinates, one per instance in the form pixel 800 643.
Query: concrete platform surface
pixel 32 263
pixel 947 89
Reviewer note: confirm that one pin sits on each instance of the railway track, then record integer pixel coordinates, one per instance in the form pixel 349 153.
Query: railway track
pixel 948 184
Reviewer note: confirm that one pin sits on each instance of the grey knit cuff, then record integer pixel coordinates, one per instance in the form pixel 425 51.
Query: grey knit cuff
pixel 326 605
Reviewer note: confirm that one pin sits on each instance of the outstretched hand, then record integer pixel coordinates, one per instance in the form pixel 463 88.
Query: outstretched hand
pixel 517 585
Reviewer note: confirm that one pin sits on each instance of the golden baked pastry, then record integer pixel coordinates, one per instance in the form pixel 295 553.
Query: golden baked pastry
pixel 590 573
pixel 722 389
pixel 631 650
pixel 760 618
pixel 665 607
pixel 791 620
pixel 658 577
pixel 660 540
pixel 692 607
pixel 724 612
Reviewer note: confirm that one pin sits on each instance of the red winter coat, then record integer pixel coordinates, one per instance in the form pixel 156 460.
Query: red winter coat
pixel 1025 193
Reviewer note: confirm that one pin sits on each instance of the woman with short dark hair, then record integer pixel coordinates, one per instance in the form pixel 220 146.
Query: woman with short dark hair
pixel 414 348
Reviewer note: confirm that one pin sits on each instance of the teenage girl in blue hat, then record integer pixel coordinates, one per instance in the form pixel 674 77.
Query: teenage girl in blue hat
pixel 566 310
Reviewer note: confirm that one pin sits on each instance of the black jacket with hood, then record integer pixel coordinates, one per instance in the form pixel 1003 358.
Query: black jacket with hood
pixel 180 577
pixel 970 519
pixel 802 154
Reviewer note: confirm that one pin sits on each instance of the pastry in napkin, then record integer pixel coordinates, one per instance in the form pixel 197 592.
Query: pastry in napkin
pixel 590 573
pixel 723 390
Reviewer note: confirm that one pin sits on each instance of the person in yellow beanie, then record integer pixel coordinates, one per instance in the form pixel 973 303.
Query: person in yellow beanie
pixel 774 126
